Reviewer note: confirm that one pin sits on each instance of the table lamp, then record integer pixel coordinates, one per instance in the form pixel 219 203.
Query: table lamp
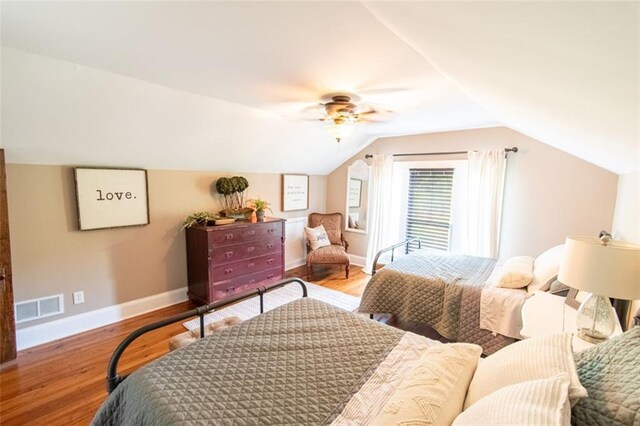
pixel 605 268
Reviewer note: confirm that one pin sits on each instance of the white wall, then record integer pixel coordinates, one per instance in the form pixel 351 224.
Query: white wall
pixel 549 194
pixel 626 219
pixel 60 113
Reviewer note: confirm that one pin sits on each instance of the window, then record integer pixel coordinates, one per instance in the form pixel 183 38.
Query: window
pixel 429 206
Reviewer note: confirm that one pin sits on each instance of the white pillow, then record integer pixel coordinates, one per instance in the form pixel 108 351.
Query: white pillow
pixel 433 391
pixel 317 237
pixel 517 272
pixel 545 269
pixel 540 357
pixel 538 402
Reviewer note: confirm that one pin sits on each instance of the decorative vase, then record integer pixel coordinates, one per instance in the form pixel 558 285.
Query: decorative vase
pixel 260 215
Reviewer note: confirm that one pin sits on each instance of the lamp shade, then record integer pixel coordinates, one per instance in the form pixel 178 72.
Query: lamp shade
pixel 611 270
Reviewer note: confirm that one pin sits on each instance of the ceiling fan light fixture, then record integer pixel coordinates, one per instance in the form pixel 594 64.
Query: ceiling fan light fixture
pixel 339 130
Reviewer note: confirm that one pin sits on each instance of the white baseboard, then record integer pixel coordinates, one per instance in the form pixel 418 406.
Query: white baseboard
pixel 357 260
pixel 64 327
pixel 294 264
pixel 53 330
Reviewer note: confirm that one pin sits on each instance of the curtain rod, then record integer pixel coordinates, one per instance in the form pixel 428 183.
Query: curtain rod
pixel 514 149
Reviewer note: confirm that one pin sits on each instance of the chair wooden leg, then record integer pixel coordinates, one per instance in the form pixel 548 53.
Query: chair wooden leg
pixel 346 269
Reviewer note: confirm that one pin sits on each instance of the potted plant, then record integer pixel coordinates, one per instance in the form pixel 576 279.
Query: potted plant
pixel 260 205
pixel 232 191
pixel 199 218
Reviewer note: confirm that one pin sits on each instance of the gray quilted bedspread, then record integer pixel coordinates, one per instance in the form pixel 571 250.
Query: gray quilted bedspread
pixel 440 291
pixel 610 372
pixel 297 364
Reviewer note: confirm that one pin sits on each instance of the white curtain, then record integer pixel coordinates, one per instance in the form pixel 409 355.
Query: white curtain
pixel 484 201
pixel 379 206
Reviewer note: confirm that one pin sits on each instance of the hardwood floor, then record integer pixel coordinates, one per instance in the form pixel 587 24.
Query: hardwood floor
pixel 63 382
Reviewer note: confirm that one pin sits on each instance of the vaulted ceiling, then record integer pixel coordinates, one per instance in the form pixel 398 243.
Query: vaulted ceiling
pixel 564 73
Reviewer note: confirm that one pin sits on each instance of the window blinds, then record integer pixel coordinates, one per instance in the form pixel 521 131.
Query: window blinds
pixel 429 209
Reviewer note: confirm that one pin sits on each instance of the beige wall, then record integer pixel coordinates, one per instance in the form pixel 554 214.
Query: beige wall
pixel 549 194
pixel 112 266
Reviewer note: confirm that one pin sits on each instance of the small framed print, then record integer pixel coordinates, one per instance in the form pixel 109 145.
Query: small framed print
pixel 111 198
pixel 295 192
pixel 576 297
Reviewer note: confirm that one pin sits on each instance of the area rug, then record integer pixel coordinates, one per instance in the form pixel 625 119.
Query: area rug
pixel 251 307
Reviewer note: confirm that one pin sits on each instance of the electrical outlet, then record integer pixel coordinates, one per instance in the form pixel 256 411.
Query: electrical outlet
pixel 78 297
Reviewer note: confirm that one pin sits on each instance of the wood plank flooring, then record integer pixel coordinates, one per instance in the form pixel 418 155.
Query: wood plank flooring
pixel 63 382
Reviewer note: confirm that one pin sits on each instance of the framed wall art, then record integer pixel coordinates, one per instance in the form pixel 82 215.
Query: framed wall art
pixel 295 192
pixel 111 198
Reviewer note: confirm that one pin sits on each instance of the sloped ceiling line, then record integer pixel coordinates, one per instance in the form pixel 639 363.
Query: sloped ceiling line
pixel 565 74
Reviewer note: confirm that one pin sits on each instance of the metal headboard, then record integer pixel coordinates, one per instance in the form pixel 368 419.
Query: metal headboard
pixel 392 248
pixel 114 379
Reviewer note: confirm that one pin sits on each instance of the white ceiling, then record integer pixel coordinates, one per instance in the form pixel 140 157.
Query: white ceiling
pixel 564 73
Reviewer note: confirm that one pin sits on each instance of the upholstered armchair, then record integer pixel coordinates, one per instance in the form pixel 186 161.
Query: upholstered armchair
pixel 334 254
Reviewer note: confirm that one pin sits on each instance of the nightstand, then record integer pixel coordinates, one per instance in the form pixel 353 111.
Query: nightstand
pixel 543 313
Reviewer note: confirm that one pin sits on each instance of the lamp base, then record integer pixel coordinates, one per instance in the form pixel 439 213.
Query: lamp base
pixel 595 320
pixel 591 336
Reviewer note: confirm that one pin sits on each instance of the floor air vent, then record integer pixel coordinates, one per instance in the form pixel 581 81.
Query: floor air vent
pixel 39 308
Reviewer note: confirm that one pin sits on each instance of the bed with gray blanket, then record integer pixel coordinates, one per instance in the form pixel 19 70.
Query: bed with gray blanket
pixel 442 291
pixel 309 363
pixel 295 365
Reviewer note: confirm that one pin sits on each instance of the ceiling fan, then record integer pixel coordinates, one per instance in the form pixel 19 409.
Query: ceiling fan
pixel 341 111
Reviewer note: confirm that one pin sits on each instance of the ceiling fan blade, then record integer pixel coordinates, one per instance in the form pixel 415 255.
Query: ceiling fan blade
pixel 378 116
pixel 375 92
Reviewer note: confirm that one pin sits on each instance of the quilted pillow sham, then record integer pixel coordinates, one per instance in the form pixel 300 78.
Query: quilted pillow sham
pixel 545 269
pixel 537 402
pixel 530 359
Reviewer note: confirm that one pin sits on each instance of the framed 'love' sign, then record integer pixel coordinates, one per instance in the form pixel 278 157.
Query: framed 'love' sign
pixel 111 198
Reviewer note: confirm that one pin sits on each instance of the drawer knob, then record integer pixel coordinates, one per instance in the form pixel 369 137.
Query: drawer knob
pixel 252 281
pixel 269 245
pixel 251 232
pixel 270 230
pixel 251 265
pixel 269 262
pixel 228 254
pixel 228 237
pixel 269 276
pixel 250 249
pixel 230 289
pixel 228 271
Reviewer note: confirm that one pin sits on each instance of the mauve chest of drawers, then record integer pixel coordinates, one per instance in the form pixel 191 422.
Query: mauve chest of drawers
pixel 226 260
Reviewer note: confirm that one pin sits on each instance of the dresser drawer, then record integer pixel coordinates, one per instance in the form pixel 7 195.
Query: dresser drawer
pixel 224 289
pixel 219 255
pixel 246 266
pixel 240 234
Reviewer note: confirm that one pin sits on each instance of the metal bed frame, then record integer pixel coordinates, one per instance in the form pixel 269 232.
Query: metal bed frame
pixel 114 379
pixel 392 249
